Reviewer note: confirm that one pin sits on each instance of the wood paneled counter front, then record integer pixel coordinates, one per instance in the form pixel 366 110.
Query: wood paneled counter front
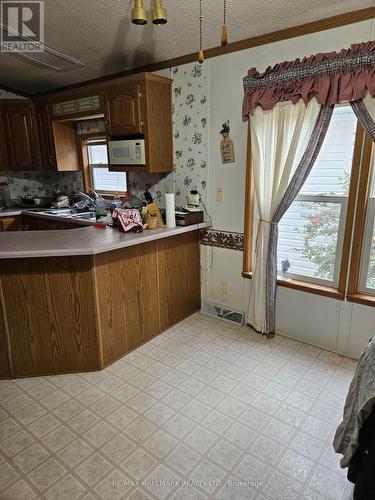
pixel 78 300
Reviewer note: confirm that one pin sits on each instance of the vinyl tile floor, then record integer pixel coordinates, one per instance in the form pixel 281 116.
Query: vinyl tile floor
pixel 205 410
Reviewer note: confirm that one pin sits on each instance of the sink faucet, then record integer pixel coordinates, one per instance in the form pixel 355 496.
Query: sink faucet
pixel 86 199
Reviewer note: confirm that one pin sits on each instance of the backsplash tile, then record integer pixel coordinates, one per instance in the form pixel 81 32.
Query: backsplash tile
pixel 43 184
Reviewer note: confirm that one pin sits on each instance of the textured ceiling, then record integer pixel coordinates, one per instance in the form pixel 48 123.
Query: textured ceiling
pixel 99 34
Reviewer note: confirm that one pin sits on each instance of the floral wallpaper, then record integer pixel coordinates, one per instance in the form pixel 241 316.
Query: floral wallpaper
pixel 43 184
pixel 91 126
pixel 189 107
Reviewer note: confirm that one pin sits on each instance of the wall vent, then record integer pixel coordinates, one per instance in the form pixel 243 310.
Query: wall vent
pixel 221 312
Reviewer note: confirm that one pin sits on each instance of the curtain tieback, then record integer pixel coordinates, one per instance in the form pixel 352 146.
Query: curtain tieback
pixel 259 223
pixel 267 222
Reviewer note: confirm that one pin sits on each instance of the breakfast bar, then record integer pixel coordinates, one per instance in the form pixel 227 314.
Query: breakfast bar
pixel 78 300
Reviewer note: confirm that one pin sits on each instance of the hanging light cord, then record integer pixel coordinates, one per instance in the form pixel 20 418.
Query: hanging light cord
pixel 200 26
pixel 201 53
pixel 224 31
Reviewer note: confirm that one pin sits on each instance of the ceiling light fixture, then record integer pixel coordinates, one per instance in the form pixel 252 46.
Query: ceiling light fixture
pixel 201 53
pixel 159 13
pixel 139 13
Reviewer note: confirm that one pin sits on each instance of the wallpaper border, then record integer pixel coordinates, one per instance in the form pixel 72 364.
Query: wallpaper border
pixel 222 239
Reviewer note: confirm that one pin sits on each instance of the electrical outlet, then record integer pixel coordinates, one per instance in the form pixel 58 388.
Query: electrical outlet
pixel 220 195
pixel 226 287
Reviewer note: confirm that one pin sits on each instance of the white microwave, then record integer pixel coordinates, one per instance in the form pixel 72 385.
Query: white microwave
pixel 127 152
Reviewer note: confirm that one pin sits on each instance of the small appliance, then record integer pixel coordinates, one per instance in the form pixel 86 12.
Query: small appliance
pixel 127 152
pixel 193 200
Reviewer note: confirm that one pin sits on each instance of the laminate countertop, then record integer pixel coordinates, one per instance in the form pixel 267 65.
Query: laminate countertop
pixel 80 241
pixel 10 212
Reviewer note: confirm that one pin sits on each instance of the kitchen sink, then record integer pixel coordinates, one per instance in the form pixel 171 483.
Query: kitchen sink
pixel 85 215
pixel 61 212
pixel 68 212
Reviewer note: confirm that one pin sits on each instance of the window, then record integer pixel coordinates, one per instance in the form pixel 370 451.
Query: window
pixel 328 233
pixel 311 233
pixel 102 179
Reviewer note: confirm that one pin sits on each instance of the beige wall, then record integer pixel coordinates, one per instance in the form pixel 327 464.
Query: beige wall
pixel 332 324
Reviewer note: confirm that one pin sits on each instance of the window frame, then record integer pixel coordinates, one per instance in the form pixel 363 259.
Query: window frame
pixel 354 293
pixel 343 202
pixel 366 249
pixel 343 285
pixel 86 166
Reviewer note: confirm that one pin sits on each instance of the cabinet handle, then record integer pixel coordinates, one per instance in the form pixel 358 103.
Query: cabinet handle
pixel 52 160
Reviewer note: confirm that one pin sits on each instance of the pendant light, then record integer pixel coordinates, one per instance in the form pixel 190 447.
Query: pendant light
pixel 139 13
pixel 201 53
pixel 159 13
pixel 224 33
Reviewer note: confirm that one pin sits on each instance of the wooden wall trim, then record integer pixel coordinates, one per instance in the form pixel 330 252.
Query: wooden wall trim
pixel 352 202
pixel 249 209
pixel 247 43
pixel 360 217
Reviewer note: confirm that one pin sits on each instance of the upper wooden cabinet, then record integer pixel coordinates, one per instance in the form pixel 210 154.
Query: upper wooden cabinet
pixel 123 109
pixel 20 135
pixel 44 126
pixel 141 106
pixel 58 140
pixel 42 134
pixel 77 104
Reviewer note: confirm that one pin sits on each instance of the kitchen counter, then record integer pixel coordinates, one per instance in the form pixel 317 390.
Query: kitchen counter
pixel 80 241
pixel 88 296
pixel 11 212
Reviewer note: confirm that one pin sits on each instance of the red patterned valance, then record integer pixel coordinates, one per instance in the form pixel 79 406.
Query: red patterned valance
pixel 331 78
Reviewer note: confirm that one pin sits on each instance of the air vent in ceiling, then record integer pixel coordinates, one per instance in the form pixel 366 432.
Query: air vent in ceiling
pixel 51 58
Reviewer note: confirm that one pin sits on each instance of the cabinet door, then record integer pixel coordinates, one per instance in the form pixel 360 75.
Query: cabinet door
pixel 123 106
pixel 45 133
pixel 11 223
pixel 20 135
pixel 178 277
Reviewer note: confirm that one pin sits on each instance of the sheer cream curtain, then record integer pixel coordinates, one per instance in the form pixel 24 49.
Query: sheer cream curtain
pixel 279 139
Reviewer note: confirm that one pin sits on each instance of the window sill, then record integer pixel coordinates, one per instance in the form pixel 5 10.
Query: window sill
pixel 326 291
pixel 361 298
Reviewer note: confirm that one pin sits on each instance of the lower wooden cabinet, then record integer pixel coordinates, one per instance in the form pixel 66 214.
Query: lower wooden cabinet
pixel 11 223
pixel 48 306
pixel 127 285
pixel 4 362
pixel 70 314
pixel 179 277
pixel 32 223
